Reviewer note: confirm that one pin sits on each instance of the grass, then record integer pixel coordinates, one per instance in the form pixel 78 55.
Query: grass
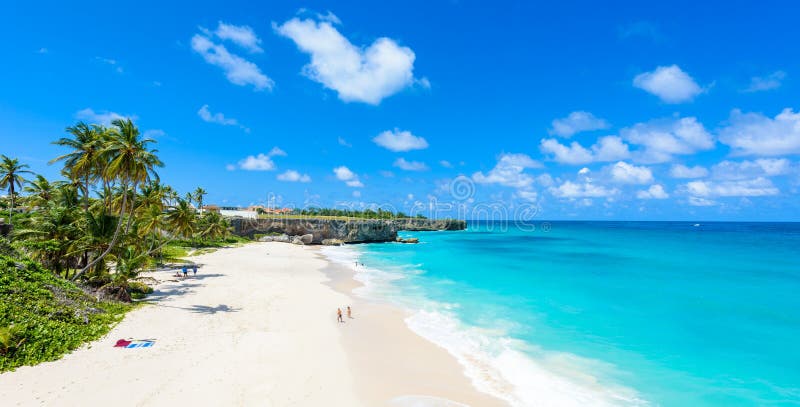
pixel 43 317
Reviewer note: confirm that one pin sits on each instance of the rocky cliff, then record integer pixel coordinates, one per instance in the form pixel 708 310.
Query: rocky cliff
pixel 348 231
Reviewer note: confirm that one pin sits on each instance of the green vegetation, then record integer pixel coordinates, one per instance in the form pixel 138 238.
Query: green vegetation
pixel 44 316
pixel 341 214
pixel 89 235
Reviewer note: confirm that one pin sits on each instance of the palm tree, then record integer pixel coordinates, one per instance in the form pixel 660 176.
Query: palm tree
pixel 199 193
pixel 83 161
pixel 214 226
pixel 11 177
pixel 40 190
pixel 130 163
pixel 182 219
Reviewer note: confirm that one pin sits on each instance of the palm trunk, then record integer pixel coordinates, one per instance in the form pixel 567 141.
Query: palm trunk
pixel 86 193
pixel 113 239
pixel 11 209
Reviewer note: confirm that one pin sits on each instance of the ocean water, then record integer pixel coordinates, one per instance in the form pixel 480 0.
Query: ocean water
pixel 604 313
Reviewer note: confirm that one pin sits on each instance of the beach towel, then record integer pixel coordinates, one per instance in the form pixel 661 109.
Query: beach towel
pixel 135 343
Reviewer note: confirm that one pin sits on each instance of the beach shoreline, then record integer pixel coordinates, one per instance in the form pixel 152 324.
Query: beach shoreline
pixel 257 325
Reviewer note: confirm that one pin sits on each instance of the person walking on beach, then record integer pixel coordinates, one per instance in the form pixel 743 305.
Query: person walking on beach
pixel 349 313
pixel 194 269
pixel 339 315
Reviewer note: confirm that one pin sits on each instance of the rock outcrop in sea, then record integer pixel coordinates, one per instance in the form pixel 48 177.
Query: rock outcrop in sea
pixel 337 231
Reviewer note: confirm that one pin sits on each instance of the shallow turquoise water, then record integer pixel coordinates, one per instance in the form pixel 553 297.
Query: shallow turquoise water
pixel 655 313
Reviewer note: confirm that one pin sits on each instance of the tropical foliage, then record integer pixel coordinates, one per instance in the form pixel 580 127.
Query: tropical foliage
pixel 86 237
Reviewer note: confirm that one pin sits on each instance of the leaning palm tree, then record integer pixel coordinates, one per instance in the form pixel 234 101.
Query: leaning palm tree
pixel 199 193
pixel 131 163
pixel 11 177
pixel 82 162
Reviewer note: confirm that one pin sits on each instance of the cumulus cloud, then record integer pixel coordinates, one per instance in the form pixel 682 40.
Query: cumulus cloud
pixel 767 82
pixel 742 188
pixel 509 171
pixel 663 139
pixel 756 134
pixel 655 191
pixel 241 35
pixel 764 167
pixel 293 176
pixel 624 173
pixel 609 148
pixel 682 171
pixel 349 177
pixel 577 122
pixel 400 140
pixel 238 70
pixel 445 164
pixel 572 190
pixel 361 74
pixel 409 165
pixel 695 201
pixel 260 162
pixel 670 83
pixel 101 117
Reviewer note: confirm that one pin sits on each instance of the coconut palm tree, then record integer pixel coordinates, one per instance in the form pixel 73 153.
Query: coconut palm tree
pixel 213 226
pixel 131 163
pixel 40 191
pixel 182 219
pixel 11 177
pixel 199 193
pixel 83 162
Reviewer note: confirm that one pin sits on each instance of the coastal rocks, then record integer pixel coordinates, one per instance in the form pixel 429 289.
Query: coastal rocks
pixel 409 240
pixel 278 238
pixel 346 230
pixel 332 242
pixel 307 238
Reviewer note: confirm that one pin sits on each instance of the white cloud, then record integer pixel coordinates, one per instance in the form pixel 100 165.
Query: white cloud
pixel 763 167
pixel 349 177
pixel 400 140
pixel 768 82
pixel 356 194
pixel 293 176
pixel 662 139
pixel 625 173
pixel 153 133
pixel 574 190
pixel 609 148
pixel 361 74
pixel 655 191
pixel 669 83
pixel 445 164
pixel 260 162
pixel 756 134
pixel 241 35
pixel 104 117
pixel 695 201
pixel 409 165
pixel 577 122
pixel 509 172
pixel 343 142
pixel 238 70
pixel 753 187
pixel 219 118
pixel 682 171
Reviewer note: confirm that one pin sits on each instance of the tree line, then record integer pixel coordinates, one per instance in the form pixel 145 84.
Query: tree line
pixel 109 216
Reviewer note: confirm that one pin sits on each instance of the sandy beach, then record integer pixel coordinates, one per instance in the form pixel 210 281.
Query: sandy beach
pixel 256 326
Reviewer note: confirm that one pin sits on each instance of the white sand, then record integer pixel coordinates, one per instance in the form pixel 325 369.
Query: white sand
pixel 257 326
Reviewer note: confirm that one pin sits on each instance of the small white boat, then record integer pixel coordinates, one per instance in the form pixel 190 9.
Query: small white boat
pixel 696 225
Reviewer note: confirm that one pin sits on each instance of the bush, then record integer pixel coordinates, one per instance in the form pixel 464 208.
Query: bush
pixel 139 288
pixel 43 316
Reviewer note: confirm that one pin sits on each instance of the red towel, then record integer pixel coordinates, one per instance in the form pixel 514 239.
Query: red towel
pixel 122 343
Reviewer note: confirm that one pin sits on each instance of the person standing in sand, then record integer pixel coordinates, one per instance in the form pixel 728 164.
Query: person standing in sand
pixel 339 315
pixel 349 312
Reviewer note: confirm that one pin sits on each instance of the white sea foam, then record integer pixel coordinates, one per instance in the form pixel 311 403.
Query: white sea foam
pixel 511 370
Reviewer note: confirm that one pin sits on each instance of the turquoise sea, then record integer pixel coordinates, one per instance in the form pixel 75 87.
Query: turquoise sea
pixel 604 313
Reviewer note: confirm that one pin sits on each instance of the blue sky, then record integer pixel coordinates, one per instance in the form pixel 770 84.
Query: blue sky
pixel 565 111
